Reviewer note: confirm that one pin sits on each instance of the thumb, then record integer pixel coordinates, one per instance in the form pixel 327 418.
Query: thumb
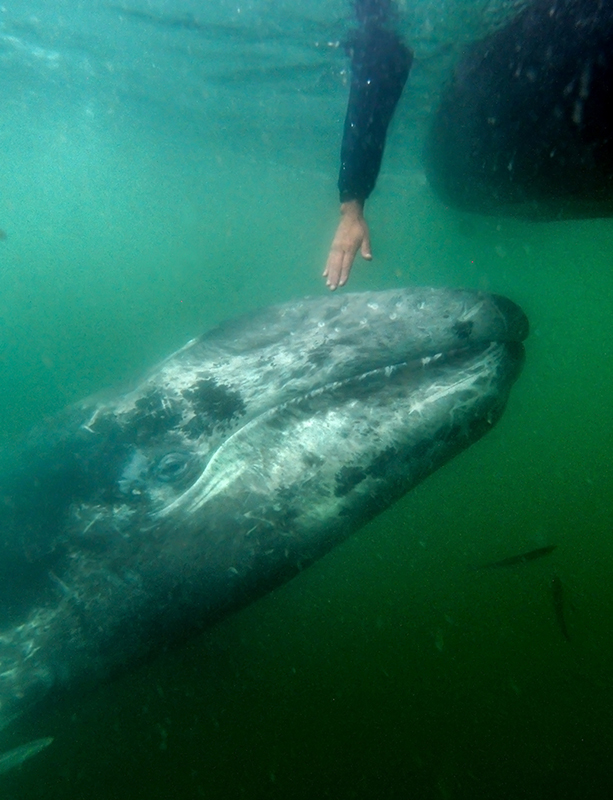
pixel 366 251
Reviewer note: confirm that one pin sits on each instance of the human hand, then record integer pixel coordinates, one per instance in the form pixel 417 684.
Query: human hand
pixel 351 235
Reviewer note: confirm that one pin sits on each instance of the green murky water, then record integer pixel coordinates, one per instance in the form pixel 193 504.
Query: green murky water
pixel 389 669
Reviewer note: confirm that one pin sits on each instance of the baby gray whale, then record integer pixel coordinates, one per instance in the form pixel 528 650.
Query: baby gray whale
pixel 130 521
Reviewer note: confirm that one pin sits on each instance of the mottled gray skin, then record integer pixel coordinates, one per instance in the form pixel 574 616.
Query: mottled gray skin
pixel 131 521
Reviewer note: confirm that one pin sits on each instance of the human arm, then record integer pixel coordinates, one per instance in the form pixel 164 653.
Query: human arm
pixel 380 65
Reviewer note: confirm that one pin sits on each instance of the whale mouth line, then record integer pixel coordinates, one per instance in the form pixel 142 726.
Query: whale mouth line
pixel 455 356
pixel 436 357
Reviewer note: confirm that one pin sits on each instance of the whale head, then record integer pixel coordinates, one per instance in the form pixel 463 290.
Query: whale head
pixel 131 519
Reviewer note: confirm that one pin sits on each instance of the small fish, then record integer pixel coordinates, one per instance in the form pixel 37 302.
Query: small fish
pixel 523 558
pixel 16 757
pixel 557 590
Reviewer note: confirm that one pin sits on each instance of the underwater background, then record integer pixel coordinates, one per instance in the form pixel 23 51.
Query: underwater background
pixel 165 165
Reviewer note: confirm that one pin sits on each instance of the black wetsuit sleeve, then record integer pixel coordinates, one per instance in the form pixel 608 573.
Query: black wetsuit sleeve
pixel 380 65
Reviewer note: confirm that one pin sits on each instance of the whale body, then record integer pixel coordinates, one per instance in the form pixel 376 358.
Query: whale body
pixel 131 520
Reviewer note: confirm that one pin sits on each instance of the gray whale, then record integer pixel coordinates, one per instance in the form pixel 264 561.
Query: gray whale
pixel 130 521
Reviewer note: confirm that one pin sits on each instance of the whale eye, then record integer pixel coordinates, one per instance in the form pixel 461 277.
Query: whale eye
pixel 172 467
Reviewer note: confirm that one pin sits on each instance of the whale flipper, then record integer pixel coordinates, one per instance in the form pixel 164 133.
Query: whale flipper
pixel 15 757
